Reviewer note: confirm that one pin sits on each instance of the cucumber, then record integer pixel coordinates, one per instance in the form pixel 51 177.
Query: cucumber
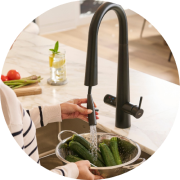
pixel 107 155
pixel 86 144
pixel 126 145
pixel 81 150
pixel 114 149
pixel 106 141
pixel 81 140
pixel 69 140
pixel 63 145
pixel 99 156
pixel 84 153
pixel 125 148
pixel 98 163
pixel 72 158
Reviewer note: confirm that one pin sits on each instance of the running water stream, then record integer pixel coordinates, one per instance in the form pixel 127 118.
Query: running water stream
pixel 93 141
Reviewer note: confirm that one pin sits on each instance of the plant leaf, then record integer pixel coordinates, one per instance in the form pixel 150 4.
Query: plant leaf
pixel 51 50
pixel 56 47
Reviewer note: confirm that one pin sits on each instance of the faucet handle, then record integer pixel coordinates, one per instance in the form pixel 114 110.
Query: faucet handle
pixel 134 110
pixel 140 102
pixel 137 112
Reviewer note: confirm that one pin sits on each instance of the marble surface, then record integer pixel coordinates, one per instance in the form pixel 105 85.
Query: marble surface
pixel 160 98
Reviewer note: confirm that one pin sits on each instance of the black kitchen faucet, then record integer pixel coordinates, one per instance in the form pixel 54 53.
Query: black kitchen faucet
pixel 123 107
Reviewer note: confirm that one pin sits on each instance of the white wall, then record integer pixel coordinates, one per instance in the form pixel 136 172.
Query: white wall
pixel 67 16
pixel 110 15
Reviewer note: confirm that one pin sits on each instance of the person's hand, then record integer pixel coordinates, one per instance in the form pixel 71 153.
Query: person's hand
pixel 84 172
pixel 73 109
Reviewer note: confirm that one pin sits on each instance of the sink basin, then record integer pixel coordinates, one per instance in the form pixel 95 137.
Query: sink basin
pixel 49 160
pixel 145 155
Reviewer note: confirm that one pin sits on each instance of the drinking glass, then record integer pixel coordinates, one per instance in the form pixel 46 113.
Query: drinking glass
pixel 57 64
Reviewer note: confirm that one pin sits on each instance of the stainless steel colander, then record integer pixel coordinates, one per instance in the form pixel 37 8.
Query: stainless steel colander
pixel 130 162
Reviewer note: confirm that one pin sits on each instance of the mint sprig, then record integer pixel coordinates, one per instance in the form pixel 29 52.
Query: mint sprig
pixel 56 47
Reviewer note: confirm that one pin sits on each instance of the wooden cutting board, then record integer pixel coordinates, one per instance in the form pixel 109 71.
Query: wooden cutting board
pixel 26 90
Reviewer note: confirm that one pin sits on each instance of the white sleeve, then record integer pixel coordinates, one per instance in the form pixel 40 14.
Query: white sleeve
pixel 42 115
pixel 13 113
pixel 69 170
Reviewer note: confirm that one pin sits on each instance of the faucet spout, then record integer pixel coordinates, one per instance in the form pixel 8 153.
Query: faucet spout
pixel 91 74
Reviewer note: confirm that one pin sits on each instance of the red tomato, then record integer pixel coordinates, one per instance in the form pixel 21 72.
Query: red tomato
pixel 7 79
pixel 4 78
pixel 13 75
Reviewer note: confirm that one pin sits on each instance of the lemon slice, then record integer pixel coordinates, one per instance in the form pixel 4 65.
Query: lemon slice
pixel 58 64
pixel 51 59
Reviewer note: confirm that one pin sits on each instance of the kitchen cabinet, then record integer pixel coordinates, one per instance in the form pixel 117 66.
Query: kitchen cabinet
pixel 60 18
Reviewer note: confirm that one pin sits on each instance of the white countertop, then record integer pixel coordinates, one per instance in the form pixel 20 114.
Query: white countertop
pixel 160 98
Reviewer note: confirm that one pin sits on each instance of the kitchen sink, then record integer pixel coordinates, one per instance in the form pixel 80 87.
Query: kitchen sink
pixel 47 140
pixel 51 161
